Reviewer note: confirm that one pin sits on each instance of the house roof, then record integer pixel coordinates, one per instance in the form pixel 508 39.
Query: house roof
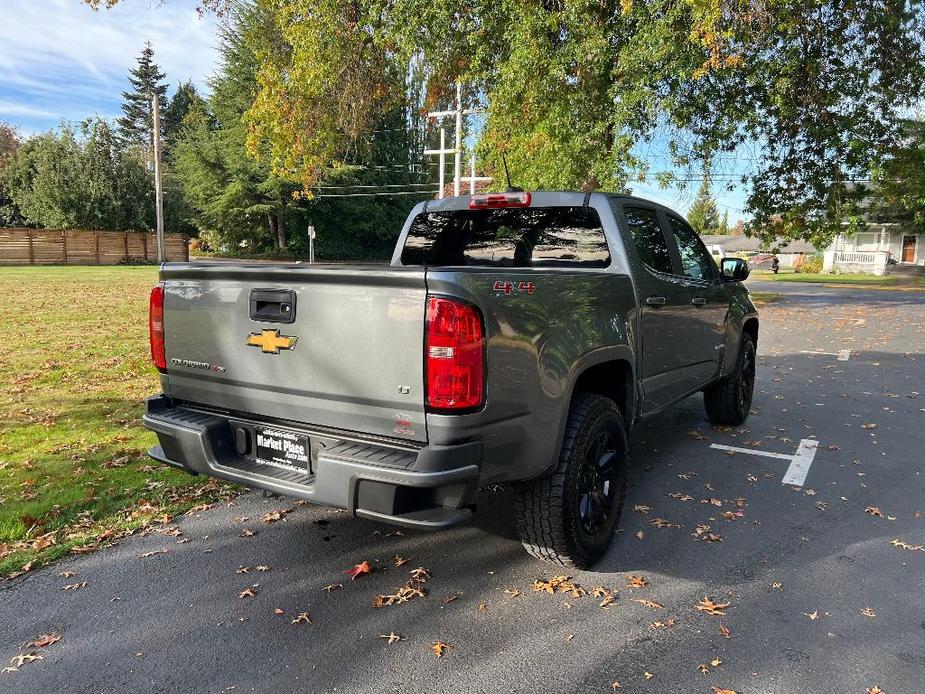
pixel 752 243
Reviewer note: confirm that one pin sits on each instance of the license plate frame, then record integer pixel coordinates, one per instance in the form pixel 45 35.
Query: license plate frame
pixel 286 450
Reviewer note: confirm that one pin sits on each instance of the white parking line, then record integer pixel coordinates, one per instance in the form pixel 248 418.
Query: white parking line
pixel 800 461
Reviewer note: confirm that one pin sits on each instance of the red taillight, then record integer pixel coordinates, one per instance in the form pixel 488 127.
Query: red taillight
pixel 454 356
pixel 156 327
pixel 495 200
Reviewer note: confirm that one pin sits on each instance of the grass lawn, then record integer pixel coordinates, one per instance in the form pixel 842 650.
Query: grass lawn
pixel 873 280
pixel 763 298
pixel 74 370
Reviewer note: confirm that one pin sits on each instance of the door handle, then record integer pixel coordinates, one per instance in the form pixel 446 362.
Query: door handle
pixel 656 301
pixel 699 301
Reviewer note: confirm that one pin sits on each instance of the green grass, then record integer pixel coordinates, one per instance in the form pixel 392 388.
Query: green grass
pixel 884 281
pixel 74 371
pixel 763 298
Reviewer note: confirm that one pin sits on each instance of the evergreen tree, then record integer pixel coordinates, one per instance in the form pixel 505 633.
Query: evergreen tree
pixel 81 179
pixel 136 127
pixel 724 227
pixel 175 110
pixel 704 215
pixel 9 144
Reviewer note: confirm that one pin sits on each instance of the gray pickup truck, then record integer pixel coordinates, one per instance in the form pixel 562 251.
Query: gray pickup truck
pixel 515 337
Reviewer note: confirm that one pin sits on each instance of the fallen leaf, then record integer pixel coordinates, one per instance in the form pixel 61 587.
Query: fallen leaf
pixel 67 574
pixel 712 608
pixel 874 511
pixel 358 570
pixel 703 669
pixel 302 617
pixel 636 582
pixel 513 592
pixel 74 586
pixel 608 600
pixel 813 616
pixel 681 497
pixel 905 545
pixel 868 612
pixel 569 637
pixel 278 610
pixel 391 637
pixel 649 603
pixel 447 599
pixel 724 630
pixel 44 640
pixel 332 586
pixel 648 675
pixel 642 509
pixel 639 535
pixel 875 690
pixel 399 561
pixel 777 585
pixel 17 661
pixel 420 574
pixel 615 685
pixel 483 607
pixel 440 648
pixel 716 662
pixel 717 690
pixel 263 568
pixel 242 570
pixel 273 516
pixel 247 593
pixel 662 523
pixel 247 533
pixel 868 426
pixel 152 553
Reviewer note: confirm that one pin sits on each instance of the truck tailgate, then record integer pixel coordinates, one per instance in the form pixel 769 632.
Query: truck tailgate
pixel 356 362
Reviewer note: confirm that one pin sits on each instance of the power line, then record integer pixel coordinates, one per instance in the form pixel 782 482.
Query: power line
pixel 367 195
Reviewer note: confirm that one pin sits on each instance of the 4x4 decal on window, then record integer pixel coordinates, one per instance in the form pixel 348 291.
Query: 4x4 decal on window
pixel 509 288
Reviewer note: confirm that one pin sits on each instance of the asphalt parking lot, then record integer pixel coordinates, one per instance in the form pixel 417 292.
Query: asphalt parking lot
pixel 824 581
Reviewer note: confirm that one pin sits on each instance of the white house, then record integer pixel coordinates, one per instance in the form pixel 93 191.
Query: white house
pixel 878 250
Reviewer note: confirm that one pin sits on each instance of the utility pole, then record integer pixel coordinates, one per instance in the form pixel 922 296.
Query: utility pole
pixel 457 150
pixel 158 183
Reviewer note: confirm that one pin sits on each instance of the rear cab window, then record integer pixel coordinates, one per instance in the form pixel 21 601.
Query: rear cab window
pixel 566 237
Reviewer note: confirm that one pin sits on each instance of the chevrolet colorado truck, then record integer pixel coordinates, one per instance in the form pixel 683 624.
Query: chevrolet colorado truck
pixel 515 337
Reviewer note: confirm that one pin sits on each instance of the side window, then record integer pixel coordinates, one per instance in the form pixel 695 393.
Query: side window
pixel 696 262
pixel 648 238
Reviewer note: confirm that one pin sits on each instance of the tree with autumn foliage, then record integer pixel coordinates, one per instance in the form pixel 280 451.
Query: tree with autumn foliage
pixel 571 88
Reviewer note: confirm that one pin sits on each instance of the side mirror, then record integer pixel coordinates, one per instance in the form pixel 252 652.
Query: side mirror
pixel 733 270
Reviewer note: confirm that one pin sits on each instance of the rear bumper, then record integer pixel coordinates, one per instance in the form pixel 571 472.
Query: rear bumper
pixel 430 487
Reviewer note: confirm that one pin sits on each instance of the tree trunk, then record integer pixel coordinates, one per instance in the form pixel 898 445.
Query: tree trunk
pixel 272 218
pixel 281 233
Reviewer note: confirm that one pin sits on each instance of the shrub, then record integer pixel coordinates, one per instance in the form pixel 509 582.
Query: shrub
pixel 811 264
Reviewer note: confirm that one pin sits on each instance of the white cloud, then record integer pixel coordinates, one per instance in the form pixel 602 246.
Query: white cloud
pixel 59 59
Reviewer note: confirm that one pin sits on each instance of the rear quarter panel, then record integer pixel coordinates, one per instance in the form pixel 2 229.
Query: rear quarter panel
pixel 538 345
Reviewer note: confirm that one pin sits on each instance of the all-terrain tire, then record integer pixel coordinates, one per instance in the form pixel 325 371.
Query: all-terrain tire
pixel 549 509
pixel 729 400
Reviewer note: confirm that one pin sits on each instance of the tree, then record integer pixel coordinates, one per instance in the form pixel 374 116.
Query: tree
pixel 237 199
pixel 136 126
pixel 570 88
pixel 898 191
pixel 704 215
pixel 80 178
pixel 176 109
pixel 9 144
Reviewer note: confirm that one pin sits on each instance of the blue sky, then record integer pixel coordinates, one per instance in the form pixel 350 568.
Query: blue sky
pixel 59 60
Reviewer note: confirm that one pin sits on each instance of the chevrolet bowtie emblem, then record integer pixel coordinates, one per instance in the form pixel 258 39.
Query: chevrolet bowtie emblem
pixel 270 341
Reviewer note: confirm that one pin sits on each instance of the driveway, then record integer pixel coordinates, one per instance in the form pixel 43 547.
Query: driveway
pixel 824 582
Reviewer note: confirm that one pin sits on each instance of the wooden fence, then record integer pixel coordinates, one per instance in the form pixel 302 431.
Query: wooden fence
pixel 78 247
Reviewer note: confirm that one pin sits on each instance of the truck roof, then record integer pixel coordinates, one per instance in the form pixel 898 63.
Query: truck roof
pixel 539 198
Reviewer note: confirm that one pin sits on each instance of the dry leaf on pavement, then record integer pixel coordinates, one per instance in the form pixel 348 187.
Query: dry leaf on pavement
pixel 302 617
pixel 358 570
pixel 649 603
pixel 440 648
pixel 44 640
pixel 712 608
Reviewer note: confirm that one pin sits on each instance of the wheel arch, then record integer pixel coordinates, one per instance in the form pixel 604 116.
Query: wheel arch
pixel 613 378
